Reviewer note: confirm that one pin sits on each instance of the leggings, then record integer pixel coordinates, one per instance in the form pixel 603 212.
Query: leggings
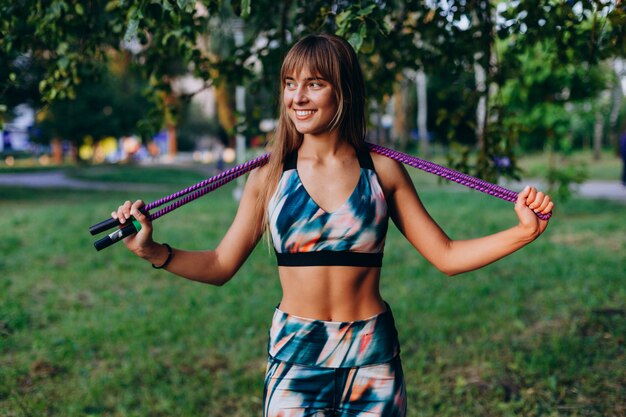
pixel 319 368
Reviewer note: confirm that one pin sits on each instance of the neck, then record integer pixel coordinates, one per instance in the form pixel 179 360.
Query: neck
pixel 328 144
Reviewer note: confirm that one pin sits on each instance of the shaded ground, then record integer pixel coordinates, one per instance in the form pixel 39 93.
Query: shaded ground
pixel 59 179
pixel 612 190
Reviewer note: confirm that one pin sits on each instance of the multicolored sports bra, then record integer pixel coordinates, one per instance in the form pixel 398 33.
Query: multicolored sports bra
pixel 304 234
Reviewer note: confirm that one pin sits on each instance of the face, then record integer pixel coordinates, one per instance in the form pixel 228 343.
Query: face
pixel 310 102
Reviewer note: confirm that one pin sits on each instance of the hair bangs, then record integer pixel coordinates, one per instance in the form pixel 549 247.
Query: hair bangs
pixel 314 55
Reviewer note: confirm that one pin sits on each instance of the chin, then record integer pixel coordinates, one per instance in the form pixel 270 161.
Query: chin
pixel 312 130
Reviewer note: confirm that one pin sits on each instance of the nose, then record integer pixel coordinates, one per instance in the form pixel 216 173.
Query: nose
pixel 300 95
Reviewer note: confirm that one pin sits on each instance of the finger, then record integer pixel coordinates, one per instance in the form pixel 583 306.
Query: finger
pixel 123 212
pixel 136 212
pixel 522 196
pixel 532 193
pixel 537 201
pixel 548 208
pixel 543 204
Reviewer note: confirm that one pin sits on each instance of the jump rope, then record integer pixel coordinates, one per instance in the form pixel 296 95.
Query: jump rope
pixel 204 187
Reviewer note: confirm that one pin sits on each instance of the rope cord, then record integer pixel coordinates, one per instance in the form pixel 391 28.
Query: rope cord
pixel 204 187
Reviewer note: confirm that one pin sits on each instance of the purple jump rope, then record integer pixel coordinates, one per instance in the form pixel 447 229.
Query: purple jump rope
pixel 204 187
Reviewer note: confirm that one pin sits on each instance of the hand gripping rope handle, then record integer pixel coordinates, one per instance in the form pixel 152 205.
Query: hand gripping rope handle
pixel 188 194
pixel 210 184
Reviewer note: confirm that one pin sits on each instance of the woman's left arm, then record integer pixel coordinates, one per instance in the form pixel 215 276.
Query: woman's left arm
pixel 457 256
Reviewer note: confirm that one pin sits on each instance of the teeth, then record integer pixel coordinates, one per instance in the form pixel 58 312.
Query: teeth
pixel 304 112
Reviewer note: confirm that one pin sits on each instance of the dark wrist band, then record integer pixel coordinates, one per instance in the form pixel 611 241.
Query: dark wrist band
pixel 170 255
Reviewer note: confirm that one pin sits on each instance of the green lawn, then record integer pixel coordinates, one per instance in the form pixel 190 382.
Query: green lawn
pixel 608 167
pixel 533 165
pixel 86 333
pixel 149 174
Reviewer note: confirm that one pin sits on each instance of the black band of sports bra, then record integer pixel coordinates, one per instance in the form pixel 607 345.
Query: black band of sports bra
pixel 330 258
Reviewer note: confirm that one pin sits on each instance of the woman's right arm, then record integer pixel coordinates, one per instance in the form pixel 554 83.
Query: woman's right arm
pixel 216 266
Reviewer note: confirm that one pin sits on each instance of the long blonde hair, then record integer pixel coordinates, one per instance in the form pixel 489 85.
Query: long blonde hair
pixel 332 58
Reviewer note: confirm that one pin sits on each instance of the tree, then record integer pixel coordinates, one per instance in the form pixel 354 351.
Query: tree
pixel 164 38
pixel 556 62
pixel 110 104
pixel 477 47
pixel 453 43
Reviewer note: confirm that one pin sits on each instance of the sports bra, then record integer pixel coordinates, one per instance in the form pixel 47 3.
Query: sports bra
pixel 304 234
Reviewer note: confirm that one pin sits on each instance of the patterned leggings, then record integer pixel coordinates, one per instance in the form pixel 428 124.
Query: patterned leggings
pixel 320 369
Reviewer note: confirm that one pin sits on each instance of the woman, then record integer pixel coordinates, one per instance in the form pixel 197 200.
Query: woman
pixel 326 201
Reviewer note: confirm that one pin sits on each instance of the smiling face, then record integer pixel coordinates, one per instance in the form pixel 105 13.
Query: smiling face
pixel 322 92
pixel 310 102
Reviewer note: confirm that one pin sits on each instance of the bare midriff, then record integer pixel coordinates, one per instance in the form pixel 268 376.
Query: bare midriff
pixel 331 293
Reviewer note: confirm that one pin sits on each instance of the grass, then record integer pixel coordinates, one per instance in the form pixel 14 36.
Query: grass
pixel 533 165
pixel 608 167
pixel 144 175
pixel 86 333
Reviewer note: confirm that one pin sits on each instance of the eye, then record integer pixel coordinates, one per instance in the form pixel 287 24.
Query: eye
pixel 316 84
pixel 290 85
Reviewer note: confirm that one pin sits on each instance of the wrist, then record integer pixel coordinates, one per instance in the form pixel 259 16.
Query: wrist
pixel 168 258
pixel 155 253
pixel 526 233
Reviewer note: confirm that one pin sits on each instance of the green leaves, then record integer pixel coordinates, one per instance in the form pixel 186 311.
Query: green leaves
pixel 245 8
pixel 360 23
pixel 541 51
pixel 131 29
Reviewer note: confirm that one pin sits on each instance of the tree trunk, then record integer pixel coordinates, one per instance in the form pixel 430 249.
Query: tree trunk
pixel 598 128
pixel 484 67
pixel 400 104
pixel 480 76
pixel 170 124
pixel 619 66
pixel 57 151
pixel 422 112
pixel 226 111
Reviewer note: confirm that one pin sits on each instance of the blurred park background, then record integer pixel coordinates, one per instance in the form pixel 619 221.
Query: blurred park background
pixel 127 99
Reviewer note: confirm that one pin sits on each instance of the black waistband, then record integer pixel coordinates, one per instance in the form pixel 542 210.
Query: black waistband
pixel 330 258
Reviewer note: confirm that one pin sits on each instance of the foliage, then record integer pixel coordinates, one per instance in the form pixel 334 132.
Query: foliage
pixel 583 31
pixel 537 55
pixel 106 105
pixel 549 49
pixel 51 34
pixel 543 84
pixel 561 179
pixel 536 100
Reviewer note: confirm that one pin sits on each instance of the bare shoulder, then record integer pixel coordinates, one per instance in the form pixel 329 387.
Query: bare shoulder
pixel 390 172
pixel 257 178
